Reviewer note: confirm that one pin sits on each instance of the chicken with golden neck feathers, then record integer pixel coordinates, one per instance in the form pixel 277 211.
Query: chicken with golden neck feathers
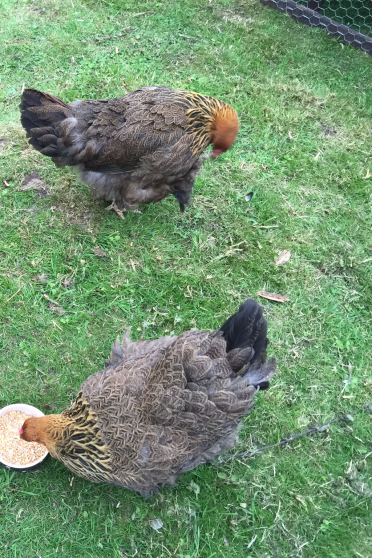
pixel 161 408
pixel 135 149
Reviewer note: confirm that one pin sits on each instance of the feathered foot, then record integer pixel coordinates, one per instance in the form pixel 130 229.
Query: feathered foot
pixel 119 211
pixel 146 494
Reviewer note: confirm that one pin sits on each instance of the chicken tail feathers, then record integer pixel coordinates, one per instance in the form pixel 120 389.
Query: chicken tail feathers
pixel 46 118
pixel 246 328
pixel 245 333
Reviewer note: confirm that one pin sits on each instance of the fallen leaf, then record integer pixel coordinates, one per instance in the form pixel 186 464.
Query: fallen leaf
pixel 99 252
pixel 156 523
pixel 273 296
pixel 284 256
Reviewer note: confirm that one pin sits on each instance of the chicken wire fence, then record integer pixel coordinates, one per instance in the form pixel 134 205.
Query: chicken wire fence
pixel 349 20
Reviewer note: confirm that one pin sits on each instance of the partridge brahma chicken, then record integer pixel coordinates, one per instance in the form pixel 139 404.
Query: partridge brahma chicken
pixel 133 150
pixel 161 408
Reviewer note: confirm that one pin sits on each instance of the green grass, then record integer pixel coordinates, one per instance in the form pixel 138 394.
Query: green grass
pixel 293 87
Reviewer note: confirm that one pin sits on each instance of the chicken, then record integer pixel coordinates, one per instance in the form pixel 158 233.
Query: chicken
pixel 133 150
pixel 161 408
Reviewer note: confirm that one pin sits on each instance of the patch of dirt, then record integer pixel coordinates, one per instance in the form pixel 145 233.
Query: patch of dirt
pixel 67 283
pixel 2 144
pixel 54 308
pixel 298 93
pixel 328 131
pixel 356 482
pixel 99 252
pixel 229 16
pixel 43 278
pixel 82 219
pixel 34 182
pixel 74 215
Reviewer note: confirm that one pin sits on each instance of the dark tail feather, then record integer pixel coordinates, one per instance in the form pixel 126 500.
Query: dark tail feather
pixel 40 115
pixel 246 328
pixel 246 341
pixel 260 376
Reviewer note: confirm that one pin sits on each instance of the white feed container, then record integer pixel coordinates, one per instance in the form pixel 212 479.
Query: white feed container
pixel 30 410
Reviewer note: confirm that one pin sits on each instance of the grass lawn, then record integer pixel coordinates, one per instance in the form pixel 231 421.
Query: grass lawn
pixel 305 103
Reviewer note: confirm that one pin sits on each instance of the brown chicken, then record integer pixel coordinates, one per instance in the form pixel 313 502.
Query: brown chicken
pixel 161 408
pixel 133 150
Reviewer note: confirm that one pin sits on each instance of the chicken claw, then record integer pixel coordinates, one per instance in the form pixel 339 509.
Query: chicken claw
pixel 120 212
pixel 115 208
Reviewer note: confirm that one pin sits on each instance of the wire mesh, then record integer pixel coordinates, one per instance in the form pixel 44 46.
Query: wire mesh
pixel 356 14
pixel 350 20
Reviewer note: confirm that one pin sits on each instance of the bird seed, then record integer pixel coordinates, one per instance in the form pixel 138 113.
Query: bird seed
pixel 13 449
